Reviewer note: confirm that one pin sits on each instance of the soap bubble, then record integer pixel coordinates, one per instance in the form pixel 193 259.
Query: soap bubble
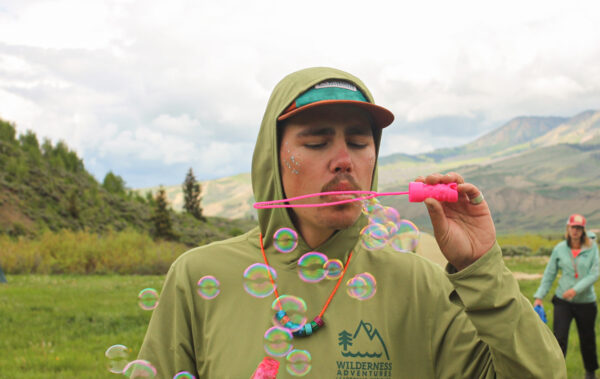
pixel 257 281
pixel 362 286
pixel 278 341
pixel 374 236
pixel 371 207
pixel 383 215
pixel 208 287
pixel 310 267
pixel 285 240
pixel 139 369
pixel 118 357
pixel 298 362
pixel 406 239
pixel 334 268
pixel 148 299
pixel 295 310
pixel 184 375
pixel 355 286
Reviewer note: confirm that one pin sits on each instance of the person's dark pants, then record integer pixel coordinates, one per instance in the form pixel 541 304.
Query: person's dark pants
pixel 585 317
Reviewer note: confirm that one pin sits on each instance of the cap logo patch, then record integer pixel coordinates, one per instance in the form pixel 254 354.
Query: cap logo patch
pixel 337 84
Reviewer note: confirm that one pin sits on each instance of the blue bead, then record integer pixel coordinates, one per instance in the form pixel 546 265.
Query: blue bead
pixel 308 329
pixel 280 314
pixel 290 325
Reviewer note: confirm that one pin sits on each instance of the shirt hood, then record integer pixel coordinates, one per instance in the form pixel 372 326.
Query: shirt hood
pixel 266 178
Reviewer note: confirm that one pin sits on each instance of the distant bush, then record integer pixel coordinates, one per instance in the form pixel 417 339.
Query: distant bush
pixel 534 242
pixel 546 251
pixel 82 252
pixel 513 251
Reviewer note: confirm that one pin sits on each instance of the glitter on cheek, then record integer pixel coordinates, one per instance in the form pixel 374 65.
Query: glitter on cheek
pixel 292 161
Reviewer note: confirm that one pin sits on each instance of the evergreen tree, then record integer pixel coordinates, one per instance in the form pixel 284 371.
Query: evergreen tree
pixel 163 227
pixel 114 184
pixel 7 132
pixel 191 192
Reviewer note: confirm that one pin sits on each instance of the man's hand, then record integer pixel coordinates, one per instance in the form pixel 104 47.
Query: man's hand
pixel 538 302
pixel 569 294
pixel 464 230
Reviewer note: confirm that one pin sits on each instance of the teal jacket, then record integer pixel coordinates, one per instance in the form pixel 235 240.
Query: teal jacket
pixel 421 322
pixel 587 270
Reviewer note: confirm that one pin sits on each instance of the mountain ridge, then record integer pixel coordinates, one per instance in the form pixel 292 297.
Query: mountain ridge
pixel 530 161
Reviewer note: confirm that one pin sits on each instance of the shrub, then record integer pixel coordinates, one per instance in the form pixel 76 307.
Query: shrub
pixel 512 251
pixel 83 252
pixel 544 250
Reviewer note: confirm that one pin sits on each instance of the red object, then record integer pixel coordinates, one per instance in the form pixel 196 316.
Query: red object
pixel 576 220
pixel 418 191
pixel 267 369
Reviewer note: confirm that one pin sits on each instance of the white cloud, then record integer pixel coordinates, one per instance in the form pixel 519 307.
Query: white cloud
pixel 170 83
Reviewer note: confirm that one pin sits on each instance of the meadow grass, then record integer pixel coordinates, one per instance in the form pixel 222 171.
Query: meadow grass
pixel 59 326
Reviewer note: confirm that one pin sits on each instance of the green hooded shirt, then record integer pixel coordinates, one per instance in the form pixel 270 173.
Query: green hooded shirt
pixel 420 323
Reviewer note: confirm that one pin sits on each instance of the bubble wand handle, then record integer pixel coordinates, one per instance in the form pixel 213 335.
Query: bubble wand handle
pixel 417 192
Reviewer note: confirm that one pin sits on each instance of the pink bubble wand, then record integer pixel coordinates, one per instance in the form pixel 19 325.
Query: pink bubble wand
pixel 417 192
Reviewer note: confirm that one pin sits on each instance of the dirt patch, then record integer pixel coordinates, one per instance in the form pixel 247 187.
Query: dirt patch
pixel 526 276
pixel 10 213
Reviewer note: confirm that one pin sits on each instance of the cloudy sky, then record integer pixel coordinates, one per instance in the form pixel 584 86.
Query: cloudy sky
pixel 150 88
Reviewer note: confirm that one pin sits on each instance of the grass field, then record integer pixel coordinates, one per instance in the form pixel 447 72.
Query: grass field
pixel 59 326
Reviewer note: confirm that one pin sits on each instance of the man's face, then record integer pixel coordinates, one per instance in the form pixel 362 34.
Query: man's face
pixel 327 148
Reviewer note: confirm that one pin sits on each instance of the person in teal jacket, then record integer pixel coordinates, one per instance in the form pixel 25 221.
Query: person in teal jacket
pixel 386 314
pixel 577 258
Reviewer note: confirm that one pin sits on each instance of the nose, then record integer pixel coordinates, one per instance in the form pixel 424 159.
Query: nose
pixel 341 161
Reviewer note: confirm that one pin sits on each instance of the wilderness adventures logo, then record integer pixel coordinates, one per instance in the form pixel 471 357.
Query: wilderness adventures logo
pixel 363 354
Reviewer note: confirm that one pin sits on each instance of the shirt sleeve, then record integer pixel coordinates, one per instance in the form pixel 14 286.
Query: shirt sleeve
pixel 496 333
pixel 168 344
pixel 549 275
pixel 592 275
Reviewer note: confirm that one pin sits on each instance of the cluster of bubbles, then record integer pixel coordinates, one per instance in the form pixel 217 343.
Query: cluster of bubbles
pixel 278 344
pixel 118 363
pixel 385 227
pixel 361 286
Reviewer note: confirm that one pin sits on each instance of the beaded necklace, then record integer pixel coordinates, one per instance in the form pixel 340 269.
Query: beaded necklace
pixel 310 327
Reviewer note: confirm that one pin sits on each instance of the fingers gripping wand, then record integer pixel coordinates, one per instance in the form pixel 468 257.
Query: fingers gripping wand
pixel 417 192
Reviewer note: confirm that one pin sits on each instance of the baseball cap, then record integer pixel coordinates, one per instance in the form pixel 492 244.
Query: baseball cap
pixel 337 92
pixel 576 220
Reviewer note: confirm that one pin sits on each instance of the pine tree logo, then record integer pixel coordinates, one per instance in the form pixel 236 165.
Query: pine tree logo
pixel 345 339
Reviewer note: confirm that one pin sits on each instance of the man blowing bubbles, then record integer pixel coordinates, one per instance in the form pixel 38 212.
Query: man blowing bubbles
pixel 321 132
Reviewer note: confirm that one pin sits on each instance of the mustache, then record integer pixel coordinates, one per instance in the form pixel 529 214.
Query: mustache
pixel 333 183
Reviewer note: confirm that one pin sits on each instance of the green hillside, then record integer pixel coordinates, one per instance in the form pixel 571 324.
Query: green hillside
pixel 46 187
